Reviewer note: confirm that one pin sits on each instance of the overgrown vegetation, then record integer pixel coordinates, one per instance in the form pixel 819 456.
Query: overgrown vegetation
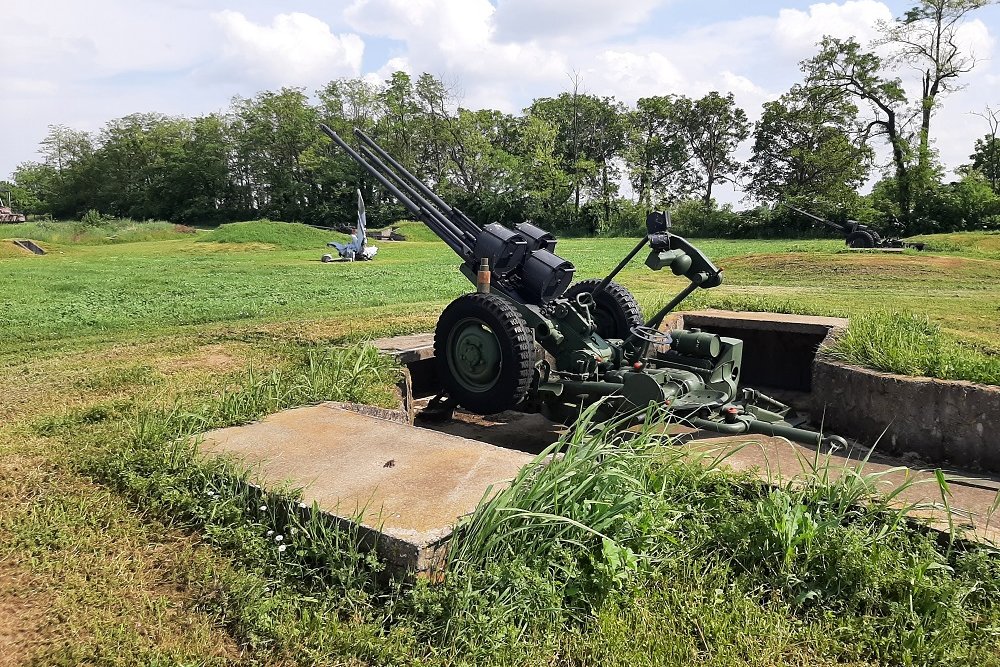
pixel 96 230
pixel 821 570
pixel 911 344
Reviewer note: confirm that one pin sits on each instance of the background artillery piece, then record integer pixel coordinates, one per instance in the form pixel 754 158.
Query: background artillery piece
pixel 533 340
pixel 859 235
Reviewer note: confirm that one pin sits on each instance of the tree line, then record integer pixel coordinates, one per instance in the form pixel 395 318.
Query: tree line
pixel 575 162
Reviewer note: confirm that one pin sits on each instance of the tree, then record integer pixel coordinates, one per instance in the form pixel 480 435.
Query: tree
pixel 655 153
pixel 986 158
pixel 713 127
pixel 926 39
pixel 589 138
pixel 803 149
pixel 483 173
pixel 270 134
pixel 843 72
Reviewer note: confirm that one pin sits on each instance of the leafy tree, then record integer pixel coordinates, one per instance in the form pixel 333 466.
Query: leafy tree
pixel 547 188
pixel 35 186
pixel 655 153
pixel 589 137
pixel 270 133
pixel 926 38
pixel 713 127
pixel 843 72
pixel 986 157
pixel 803 149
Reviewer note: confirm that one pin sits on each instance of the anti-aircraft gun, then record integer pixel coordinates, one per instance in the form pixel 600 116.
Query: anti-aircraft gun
pixel 532 339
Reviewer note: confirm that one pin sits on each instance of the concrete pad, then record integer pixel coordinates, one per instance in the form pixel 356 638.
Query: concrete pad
pixel 407 484
pixel 785 322
pixel 407 349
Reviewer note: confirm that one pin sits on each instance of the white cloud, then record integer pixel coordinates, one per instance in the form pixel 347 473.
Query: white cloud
pixel 520 20
pixel 294 50
pixel 797 31
pixel 630 75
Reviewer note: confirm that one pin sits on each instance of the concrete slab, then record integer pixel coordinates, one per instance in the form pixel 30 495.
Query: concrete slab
pixel 407 349
pixel 806 324
pixel 407 484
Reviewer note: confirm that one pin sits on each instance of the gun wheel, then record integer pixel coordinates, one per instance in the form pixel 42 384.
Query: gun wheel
pixel 862 239
pixel 616 310
pixel 485 353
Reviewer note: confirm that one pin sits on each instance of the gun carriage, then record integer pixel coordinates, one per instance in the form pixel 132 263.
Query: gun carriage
pixel 532 339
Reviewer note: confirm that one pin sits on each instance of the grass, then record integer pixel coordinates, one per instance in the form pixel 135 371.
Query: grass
pixel 120 545
pixel 909 344
pixel 287 235
pixel 110 231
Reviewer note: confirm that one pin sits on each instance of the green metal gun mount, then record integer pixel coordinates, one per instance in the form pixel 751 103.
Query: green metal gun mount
pixel 537 341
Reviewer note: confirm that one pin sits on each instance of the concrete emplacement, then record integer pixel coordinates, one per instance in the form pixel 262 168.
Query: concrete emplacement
pixel 407 486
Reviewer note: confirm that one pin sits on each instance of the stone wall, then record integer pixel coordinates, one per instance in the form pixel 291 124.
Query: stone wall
pixel 938 420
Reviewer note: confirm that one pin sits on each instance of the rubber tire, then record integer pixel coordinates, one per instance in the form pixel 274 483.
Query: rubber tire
pixel 517 350
pixel 617 310
pixel 861 239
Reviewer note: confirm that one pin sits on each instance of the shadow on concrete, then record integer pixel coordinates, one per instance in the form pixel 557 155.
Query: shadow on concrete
pixel 530 433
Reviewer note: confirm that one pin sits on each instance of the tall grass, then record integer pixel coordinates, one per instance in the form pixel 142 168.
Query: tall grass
pixel 605 517
pixel 156 461
pixel 607 539
pixel 908 344
pixel 103 232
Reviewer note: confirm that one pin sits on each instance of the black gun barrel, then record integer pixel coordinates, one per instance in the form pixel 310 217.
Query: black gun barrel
pixel 459 218
pixel 828 223
pixel 430 216
pixel 443 227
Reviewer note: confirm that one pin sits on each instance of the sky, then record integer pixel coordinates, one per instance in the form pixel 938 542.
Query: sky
pixel 81 64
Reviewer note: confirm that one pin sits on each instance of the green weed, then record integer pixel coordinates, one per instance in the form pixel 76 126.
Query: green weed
pixel 909 344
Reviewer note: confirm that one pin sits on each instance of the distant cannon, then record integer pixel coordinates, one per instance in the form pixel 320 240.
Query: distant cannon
pixel 859 235
pixel 7 214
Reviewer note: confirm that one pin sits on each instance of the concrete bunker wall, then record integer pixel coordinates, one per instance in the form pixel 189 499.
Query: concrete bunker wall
pixel 778 349
pixel 936 420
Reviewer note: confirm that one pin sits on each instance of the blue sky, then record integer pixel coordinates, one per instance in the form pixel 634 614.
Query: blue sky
pixel 81 64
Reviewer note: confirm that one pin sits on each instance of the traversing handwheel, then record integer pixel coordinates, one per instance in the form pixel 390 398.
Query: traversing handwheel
pixel 652 336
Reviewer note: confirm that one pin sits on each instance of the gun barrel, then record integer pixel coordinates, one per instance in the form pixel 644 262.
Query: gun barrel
pixel 456 216
pixel 442 226
pixel 430 216
pixel 828 223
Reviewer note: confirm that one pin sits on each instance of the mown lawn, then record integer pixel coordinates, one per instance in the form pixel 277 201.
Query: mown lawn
pixel 117 548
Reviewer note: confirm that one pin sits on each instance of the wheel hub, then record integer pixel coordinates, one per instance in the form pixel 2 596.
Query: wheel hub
pixel 474 355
